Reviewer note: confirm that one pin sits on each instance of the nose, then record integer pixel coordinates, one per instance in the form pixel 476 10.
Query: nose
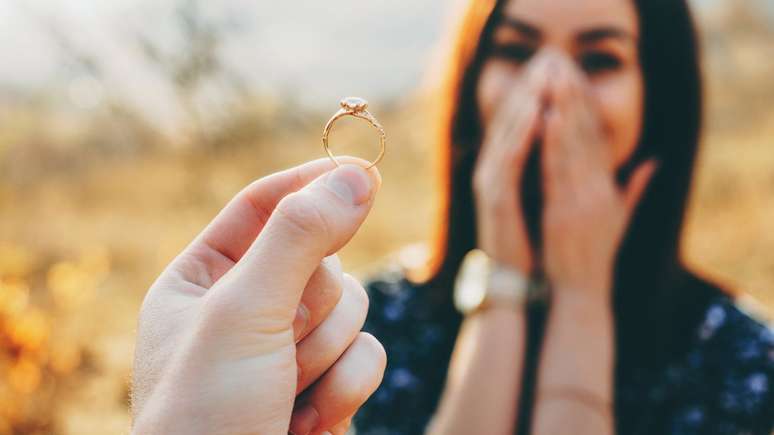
pixel 553 59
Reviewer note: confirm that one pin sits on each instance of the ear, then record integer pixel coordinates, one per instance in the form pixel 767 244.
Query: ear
pixel 639 181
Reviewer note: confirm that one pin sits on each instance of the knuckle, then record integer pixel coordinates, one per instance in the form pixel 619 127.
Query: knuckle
pixel 371 356
pixel 303 214
pixel 248 194
pixel 223 312
pixel 334 289
pixel 216 305
pixel 328 281
pixel 216 313
pixel 374 347
pixel 358 291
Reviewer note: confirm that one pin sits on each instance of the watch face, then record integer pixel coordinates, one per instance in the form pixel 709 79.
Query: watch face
pixel 470 286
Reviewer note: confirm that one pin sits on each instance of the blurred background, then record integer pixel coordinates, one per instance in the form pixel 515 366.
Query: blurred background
pixel 126 125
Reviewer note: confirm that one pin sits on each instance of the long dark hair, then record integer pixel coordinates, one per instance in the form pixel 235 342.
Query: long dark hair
pixel 657 301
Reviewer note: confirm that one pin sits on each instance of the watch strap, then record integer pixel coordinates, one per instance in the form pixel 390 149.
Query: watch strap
pixel 507 286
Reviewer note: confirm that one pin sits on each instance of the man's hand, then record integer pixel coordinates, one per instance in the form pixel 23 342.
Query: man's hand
pixel 256 311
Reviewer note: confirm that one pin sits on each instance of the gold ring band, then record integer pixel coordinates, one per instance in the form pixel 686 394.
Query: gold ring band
pixel 353 106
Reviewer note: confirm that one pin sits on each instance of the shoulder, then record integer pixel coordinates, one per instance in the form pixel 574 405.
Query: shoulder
pixel 732 333
pixel 730 369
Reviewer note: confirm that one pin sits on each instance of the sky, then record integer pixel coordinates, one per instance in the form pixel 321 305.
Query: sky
pixel 318 51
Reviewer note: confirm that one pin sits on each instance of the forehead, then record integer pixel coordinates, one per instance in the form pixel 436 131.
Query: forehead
pixel 572 16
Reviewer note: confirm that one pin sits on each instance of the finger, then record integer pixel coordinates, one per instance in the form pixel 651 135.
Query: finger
pixel 587 123
pixel 532 87
pixel 580 141
pixel 581 101
pixel 323 346
pixel 527 92
pixel 343 388
pixel 560 100
pixel 531 83
pixel 225 240
pixel 576 83
pixel 342 427
pixel 551 160
pixel 518 139
pixel 571 96
pixel 638 183
pixel 523 107
pixel 507 120
pixel 560 91
pixel 322 293
pixel 512 134
pixel 264 288
pixel 562 169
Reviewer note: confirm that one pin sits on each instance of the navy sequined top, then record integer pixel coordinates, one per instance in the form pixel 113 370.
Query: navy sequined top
pixel 725 384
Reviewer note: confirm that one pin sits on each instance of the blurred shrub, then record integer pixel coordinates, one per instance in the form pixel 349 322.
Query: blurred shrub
pixel 37 356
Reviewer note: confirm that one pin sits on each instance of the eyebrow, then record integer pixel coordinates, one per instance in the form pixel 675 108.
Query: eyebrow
pixel 600 33
pixel 526 29
pixel 593 35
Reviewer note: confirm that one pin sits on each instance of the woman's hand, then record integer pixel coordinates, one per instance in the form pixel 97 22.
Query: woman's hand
pixel 223 344
pixel 585 214
pixel 502 231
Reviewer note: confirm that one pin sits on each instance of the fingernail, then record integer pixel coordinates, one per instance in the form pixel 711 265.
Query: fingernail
pixel 351 183
pixel 301 320
pixel 304 420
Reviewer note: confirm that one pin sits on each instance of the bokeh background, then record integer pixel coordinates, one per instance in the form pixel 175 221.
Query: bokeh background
pixel 126 124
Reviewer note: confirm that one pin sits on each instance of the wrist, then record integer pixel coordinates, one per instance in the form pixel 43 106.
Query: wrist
pixel 594 284
pixel 582 307
pixel 584 317
pixel 586 298
pixel 500 315
pixel 580 329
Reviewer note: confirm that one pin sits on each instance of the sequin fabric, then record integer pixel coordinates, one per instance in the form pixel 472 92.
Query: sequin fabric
pixel 725 384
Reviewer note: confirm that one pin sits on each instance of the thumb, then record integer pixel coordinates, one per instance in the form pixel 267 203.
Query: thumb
pixel 639 181
pixel 266 284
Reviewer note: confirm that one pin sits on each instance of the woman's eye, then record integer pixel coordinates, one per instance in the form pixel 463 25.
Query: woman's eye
pixel 519 53
pixel 599 62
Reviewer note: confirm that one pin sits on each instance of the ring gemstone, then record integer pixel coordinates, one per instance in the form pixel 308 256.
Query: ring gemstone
pixel 354 104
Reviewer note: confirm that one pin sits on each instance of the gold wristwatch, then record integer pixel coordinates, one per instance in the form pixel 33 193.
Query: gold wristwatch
pixel 482 283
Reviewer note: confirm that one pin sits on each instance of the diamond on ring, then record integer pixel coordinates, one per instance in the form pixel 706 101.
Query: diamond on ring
pixel 354 104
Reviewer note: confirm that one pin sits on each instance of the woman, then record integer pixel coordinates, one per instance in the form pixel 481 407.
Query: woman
pixel 569 138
